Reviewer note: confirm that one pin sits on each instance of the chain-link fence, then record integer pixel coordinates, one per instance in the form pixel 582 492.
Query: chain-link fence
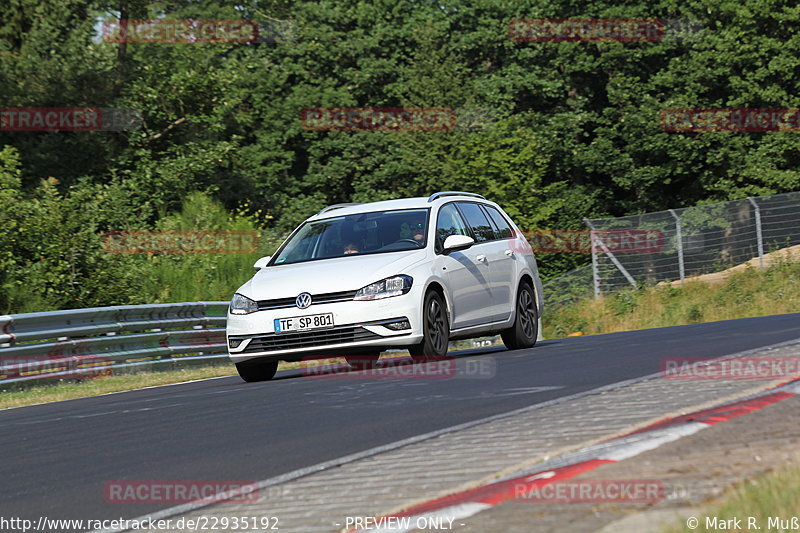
pixel 680 243
pixel 568 287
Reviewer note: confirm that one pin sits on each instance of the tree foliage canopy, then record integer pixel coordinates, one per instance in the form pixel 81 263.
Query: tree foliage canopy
pixel 564 130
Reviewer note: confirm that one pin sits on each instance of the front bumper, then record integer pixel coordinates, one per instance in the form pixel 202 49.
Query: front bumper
pixel 358 326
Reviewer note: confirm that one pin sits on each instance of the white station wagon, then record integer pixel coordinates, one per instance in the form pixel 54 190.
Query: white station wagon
pixel 356 279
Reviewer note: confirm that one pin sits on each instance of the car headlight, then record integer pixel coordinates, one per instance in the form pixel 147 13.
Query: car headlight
pixel 385 288
pixel 242 305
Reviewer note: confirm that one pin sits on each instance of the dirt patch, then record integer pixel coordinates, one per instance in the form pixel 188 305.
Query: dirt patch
pixel 786 254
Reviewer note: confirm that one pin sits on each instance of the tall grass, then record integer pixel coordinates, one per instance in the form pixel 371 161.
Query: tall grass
pixel 746 293
pixel 773 501
pixel 198 277
pixel 190 279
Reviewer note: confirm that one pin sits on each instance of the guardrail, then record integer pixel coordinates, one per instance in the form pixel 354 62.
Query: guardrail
pixel 79 343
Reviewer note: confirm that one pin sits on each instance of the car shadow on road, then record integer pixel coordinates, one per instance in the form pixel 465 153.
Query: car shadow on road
pixel 312 368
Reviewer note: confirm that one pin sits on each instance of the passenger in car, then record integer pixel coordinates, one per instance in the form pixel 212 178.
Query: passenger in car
pixel 350 248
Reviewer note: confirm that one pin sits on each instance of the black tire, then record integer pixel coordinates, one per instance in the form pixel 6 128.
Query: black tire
pixel 526 323
pixel 435 330
pixel 362 361
pixel 252 371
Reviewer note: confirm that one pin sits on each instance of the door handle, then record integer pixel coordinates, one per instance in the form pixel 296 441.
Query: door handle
pixel 481 258
pixel 510 253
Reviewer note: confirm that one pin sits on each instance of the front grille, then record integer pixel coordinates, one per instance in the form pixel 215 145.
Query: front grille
pixel 327 298
pixel 305 339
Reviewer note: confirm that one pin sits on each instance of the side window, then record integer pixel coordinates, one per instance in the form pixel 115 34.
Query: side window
pixel 480 225
pixel 449 223
pixel 504 229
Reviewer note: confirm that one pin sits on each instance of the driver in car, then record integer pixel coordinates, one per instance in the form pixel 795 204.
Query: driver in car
pixel 413 230
pixel 418 232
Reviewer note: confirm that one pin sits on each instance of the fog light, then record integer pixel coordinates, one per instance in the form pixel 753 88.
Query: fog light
pixel 234 343
pixel 400 324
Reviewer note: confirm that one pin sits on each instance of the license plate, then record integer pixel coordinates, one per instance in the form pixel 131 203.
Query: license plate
pixel 302 323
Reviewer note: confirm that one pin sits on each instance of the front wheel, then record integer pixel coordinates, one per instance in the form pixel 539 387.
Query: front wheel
pixel 526 324
pixel 435 329
pixel 252 371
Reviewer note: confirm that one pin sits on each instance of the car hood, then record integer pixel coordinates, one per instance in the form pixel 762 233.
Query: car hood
pixel 328 275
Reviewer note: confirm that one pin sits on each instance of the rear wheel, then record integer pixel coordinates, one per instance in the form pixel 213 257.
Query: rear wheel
pixel 252 371
pixel 526 324
pixel 435 330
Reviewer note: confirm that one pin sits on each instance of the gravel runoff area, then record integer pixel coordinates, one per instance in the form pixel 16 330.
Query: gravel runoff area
pixel 692 469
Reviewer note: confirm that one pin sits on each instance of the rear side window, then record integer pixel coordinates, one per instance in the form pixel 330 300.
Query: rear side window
pixel 449 223
pixel 503 228
pixel 481 228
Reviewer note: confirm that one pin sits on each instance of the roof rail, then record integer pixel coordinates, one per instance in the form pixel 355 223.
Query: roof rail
pixel 336 206
pixel 436 195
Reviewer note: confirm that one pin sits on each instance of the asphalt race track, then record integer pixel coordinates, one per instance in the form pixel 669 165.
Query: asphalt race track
pixel 56 458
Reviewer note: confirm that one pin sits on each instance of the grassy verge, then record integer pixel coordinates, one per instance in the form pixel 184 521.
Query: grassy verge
pixel 20 395
pixel 67 390
pixel 775 495
pixel 746 293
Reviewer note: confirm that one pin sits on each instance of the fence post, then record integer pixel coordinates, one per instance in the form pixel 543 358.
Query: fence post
pixel 604 248
pixel 679 238
pixel 759 237
pixel 595 276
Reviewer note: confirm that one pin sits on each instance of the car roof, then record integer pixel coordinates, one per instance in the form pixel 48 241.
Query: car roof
pixel 422 202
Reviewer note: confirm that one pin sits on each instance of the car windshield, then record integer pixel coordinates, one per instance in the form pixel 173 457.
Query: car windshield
pixel 359 234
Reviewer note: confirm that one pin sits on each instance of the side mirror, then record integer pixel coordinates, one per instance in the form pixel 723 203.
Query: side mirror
pixel 457 242
pixel 261 263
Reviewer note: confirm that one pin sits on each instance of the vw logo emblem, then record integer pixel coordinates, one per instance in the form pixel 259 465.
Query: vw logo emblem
pixel 303 300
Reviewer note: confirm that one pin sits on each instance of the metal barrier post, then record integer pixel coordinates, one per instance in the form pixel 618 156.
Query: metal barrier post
pixel 679 239
pixel 595 274
pixel 596 239
pixel 759 238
